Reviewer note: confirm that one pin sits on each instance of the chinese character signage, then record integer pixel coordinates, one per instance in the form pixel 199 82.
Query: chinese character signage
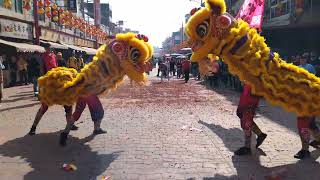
pixel 14 29
pixel 252 12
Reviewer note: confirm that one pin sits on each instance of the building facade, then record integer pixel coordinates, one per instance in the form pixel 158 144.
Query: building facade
pixel 17 23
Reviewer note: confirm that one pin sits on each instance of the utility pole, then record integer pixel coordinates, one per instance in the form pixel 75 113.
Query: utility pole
pixel 36 22
pixel 97 16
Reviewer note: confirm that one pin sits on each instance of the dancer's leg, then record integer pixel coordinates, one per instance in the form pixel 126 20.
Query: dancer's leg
pixel 303 124
pixel 42 110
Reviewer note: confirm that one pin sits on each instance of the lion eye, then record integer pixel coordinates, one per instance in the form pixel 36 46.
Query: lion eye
pixel 202 29
pixel 135 54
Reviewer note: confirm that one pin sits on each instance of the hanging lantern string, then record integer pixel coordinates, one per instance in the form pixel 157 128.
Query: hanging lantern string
pixel 66 18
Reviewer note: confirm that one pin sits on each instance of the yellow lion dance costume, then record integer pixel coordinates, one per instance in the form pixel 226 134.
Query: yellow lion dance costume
pixel 212 30
pixel 127 54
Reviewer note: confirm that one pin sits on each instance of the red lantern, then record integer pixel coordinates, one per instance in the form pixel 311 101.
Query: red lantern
pixel 47 2
pixel 27 5
pixel 62 21
pixel 54 6
pixel 55 18
pixel 55 13
pixel 40 4
pixel 48 15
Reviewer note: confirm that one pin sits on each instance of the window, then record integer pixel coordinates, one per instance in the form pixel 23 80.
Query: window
pixel 18 6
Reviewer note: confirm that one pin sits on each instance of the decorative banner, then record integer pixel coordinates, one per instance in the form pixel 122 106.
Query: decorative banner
pixel 15 29
pixel 252 12
pixel 49 35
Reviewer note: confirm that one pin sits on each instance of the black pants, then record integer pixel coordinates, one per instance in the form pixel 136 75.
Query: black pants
pixel 186 76
pixel 23 76
pixel 13 77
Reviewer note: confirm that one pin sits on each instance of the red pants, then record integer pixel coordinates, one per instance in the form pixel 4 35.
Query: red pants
pixel 304 124
pixel 67 109
pixel 246 116
pixel 95 107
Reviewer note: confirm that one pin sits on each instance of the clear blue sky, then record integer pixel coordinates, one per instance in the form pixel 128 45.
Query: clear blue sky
pixel 155 18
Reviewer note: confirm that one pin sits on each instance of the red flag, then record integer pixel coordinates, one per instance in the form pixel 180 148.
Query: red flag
pixel 252 12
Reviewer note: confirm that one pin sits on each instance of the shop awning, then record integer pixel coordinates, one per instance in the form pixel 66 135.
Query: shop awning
pixel 77 48
pixel 23 47
pixel 55 45
pixel 90 51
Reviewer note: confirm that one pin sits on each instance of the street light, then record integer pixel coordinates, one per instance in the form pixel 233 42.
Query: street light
pixel 201 2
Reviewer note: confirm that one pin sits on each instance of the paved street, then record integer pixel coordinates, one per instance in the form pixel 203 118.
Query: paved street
pixel 149 137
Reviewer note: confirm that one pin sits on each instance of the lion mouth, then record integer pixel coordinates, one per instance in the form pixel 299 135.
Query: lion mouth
pixel 197 45
pixel 141 67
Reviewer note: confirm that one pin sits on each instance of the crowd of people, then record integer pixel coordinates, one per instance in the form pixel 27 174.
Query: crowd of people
pixel 174 66
pixel 25 68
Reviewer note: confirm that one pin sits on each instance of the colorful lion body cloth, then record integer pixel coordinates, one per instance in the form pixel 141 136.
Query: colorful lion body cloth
pixel 212 30
pixel 127 54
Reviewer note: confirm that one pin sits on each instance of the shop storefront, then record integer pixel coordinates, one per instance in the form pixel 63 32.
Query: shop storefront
pixel 15 38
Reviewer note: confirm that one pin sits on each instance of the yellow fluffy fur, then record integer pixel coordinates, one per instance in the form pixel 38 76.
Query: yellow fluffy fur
pixel 280 83
pixel 64 86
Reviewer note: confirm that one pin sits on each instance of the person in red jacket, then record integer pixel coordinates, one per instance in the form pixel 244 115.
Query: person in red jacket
pixel 186 69
pixel 50 62
pixel 246 112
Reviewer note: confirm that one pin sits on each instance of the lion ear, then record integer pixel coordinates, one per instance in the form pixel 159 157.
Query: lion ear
pixel 217 7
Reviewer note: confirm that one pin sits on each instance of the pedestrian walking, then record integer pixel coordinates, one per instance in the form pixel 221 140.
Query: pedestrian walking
pixel 186 69
pixel 163 70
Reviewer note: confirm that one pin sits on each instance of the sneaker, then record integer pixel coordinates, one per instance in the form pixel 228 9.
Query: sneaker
pixel 63 139
pixel 74 128
pixel 315 144
pixel 99 131
pixel 32 131
pixel 302 154
pixel 260 139
pixel 243 151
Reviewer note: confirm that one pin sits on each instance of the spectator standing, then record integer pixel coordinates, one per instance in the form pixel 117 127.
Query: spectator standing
pixel 305 65
pixel 80 63
pixel 13 71
pixel 22 69
pixel 2 57
pixel 186 69
pixel 61 62
pixel 35 71
pixel 159 64
pixel 172 67
pixel 73 62
pixel 307 124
